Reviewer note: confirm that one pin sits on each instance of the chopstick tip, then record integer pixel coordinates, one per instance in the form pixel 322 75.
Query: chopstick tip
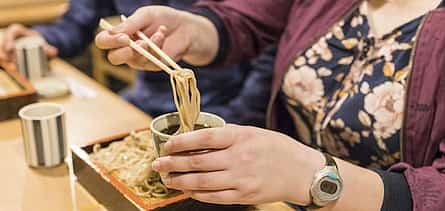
pixel 123 18
pixel 105 25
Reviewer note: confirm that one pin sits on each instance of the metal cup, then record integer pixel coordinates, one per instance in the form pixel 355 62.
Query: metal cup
pixel 166 121
pixel 32 61
pixel 44 134
pixel 161 123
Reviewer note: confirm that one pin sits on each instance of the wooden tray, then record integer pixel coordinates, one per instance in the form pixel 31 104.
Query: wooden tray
pixel 115 196
pixel 12 103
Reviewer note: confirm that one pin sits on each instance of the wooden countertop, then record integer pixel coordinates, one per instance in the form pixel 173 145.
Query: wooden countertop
pixel 23 188
pixel 87 119
pixel 31 11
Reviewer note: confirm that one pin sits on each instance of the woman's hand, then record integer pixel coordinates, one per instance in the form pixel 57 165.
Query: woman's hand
pixel 187 36
pixel 14 32
pixel 245 165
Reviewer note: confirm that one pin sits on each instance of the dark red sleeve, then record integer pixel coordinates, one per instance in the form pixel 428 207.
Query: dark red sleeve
pixel 251 25
pixel 427 184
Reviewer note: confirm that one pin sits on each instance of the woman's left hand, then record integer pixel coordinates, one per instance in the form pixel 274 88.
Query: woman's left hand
pixel 244 165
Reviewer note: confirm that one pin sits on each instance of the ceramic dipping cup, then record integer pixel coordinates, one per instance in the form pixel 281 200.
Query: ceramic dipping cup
pixel 171 120
pixel 163 123
pixel 44 134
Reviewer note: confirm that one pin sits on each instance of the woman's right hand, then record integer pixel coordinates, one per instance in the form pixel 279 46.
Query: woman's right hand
pixel 187 37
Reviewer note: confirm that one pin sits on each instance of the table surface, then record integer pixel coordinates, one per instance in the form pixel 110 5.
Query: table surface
pixel 30 11
pixel 88 119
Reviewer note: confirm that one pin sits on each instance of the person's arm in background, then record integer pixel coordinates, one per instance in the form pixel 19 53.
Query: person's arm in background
pixel 250 106
pixel 73 32
pixel 67 37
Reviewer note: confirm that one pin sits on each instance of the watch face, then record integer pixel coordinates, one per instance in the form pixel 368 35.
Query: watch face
pixel 328 187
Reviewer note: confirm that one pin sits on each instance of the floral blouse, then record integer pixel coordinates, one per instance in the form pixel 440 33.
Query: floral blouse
pixel 346 93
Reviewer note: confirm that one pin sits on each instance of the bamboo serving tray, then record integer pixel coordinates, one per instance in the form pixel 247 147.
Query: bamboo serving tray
pixel 11 103
pixel 115 196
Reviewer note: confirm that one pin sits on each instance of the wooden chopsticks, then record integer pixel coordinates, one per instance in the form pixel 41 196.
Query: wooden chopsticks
pixel 107 26
pixel 155 47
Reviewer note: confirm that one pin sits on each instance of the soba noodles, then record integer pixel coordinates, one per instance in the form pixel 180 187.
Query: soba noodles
pixel 187 98
pixel 130 161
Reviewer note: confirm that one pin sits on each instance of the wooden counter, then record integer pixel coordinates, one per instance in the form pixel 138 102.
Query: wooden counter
pixel 26 189
pixel 30 11
pixel 88 119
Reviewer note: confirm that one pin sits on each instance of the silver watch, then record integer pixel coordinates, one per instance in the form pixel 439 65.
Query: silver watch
pixel 326 186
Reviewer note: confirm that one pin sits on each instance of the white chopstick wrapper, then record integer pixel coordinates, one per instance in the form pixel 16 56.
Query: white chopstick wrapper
pixel 32 61
pixel 44 134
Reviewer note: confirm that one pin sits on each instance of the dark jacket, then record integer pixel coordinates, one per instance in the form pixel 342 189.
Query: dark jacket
pixel 297 24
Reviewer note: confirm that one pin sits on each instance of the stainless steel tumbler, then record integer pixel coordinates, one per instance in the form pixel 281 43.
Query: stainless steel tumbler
pixel 163 122
pixel 44 134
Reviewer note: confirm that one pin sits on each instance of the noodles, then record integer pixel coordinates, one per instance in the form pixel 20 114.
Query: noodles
pixel 187 98
pixel 130 161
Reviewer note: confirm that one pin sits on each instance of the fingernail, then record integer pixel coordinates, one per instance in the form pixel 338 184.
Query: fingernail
pixel 156 165
pixel 119 28
pixel 123 38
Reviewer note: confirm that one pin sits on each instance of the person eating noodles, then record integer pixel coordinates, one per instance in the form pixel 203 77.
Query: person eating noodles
pixel 356 111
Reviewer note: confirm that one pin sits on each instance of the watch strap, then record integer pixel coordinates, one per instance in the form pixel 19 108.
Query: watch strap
pixel 312 206
pixel 329 162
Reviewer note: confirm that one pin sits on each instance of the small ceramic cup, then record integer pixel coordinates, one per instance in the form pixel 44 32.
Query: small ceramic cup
pixel 166 121
pixel 44 134
pixel 163 122
pixel 32 61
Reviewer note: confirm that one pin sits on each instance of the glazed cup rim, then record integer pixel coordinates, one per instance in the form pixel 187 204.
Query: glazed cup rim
pixel 160 134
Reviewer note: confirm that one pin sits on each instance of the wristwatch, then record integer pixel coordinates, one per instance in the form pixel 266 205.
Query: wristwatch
pixel 326 186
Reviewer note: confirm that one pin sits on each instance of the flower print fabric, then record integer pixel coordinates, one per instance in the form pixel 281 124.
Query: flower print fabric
pixel 346 93
pixel 305 85
pixel 385 104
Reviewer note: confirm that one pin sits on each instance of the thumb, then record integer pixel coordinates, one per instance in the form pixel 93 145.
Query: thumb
pixel 50 50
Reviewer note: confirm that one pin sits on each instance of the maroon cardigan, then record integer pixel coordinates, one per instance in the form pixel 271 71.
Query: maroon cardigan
pixel 297 24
